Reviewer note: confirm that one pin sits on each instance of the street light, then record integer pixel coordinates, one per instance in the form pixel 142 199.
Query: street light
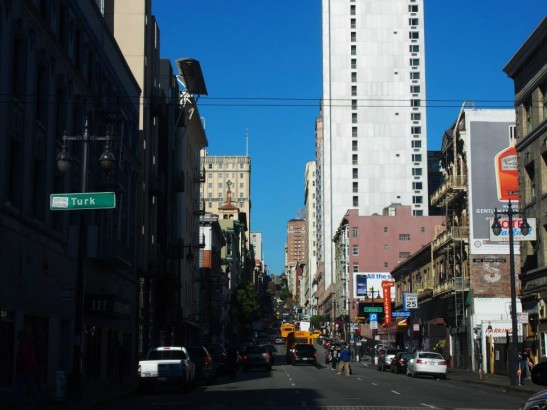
pixel 373 331
pixel 64 161
pixel 496 230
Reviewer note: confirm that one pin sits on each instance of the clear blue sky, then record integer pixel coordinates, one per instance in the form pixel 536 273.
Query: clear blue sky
pixel 261 61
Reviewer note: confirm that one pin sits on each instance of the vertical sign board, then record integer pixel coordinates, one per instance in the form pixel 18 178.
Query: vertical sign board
pixel 386 292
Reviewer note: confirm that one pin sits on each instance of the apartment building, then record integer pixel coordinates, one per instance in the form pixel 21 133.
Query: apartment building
pixel 223 172
pixel 309 282
pixel 295 254
pixel 528 69
pixel 373 144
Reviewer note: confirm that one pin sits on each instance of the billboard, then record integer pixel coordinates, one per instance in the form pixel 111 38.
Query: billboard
pixel 365 282
pixel 490 161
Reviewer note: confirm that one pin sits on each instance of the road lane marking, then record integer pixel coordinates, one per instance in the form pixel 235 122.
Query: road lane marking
pixel 428 405
pixel 396 392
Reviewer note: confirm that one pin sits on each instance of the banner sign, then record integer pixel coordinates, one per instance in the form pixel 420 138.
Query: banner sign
pixel 386 292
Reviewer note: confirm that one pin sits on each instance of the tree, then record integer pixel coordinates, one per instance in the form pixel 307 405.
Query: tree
pixel 247 301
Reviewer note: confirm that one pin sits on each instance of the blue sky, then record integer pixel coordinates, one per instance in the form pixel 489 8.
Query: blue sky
pixel 261 61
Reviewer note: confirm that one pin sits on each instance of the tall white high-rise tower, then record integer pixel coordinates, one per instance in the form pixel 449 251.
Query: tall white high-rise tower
pixel 373 150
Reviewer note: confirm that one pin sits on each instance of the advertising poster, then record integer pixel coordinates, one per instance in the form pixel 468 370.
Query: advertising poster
pixel 490 142
pixel 372 281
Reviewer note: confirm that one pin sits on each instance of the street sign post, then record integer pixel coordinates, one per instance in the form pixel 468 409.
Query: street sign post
pixel 87 200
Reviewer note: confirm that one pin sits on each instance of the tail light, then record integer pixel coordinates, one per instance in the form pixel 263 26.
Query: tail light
pixel 442 362
pixel 139 370
pixel 245 357
pixel 421 361
pixel 208 361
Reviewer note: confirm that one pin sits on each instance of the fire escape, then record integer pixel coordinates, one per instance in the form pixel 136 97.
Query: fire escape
pixel 450 248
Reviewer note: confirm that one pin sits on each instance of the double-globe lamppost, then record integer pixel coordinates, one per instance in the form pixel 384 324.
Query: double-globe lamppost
pixel 64 161
pixel 496 230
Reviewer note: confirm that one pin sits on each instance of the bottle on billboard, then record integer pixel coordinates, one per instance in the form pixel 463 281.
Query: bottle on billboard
pixel 507 170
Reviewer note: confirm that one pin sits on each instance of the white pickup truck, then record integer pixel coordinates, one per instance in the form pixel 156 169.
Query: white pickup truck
pixel 169 365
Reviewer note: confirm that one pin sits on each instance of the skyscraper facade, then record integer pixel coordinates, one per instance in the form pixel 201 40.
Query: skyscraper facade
pixel 373 150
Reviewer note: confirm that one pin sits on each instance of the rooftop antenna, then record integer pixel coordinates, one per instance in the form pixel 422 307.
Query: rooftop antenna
pixel 247 142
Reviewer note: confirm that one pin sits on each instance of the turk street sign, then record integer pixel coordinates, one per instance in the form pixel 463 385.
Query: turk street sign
pixel 88 200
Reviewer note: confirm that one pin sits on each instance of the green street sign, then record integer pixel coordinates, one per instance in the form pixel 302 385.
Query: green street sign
pixel 87 200
pixel 376 309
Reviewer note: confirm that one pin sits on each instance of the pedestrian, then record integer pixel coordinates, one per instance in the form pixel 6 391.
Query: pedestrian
pixel 334 356
pixel 231 361
pixel 25 369
pixel 344 359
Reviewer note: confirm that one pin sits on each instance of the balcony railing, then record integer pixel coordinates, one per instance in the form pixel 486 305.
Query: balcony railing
pixel 456 233
pixel 449 188
pixel 451 285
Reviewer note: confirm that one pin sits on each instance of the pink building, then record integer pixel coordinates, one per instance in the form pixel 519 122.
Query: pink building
pixel 368 248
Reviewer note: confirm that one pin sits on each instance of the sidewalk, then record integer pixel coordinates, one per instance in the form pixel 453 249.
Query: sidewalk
pixel 490 380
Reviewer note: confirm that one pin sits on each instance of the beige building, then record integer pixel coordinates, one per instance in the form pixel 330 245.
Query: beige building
pixel 225 172
pixel 308 296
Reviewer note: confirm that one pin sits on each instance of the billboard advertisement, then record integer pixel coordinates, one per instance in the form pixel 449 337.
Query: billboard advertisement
pixel 365 282
pixel 492 183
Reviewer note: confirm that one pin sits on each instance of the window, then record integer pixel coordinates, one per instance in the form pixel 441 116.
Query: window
pixel 417 200
pixel 353 36
pixel 416 130
pixel 355 201
pixel 210 185
pixel 355 250
pixel 355 268
pixel 354 160
pixel 415 75
pixel 353 90
pixel 353 131
pixel 353 104
pixel 414 48
pixel 210 166
pixel 530 183
pixel 353 63
pixel 414 89
pixel 416 144
pixel 418 212
pixel 353 77
pixel 355 187
pixel 352 10
pixel 417 185
pixel 412 8
pixel 414 103
pixel 353 23
pixel 416 157
pixel 386 265
pixel 385 228
pixel 544 93
pixel 404 255
pixel 354 145
pixel 220 184
pixel 414 62
pixel 354 232
pixel 413 35
pixel 413 22
pixel 354 118
pixel 416 116
pixel 241 185
pixel 422 229
pixel 417 172
pixel 353 50
pixel 219 166
pixel 404 237
pixel 355 172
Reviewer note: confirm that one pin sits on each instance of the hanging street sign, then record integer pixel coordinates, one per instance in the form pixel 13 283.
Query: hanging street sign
pixel 88 200
pixel 368 309
pixel 400 314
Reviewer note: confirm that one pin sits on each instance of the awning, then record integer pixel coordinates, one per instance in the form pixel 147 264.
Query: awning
pixel 529 305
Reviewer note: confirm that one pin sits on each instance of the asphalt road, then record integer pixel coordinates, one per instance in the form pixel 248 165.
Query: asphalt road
pixel 319 387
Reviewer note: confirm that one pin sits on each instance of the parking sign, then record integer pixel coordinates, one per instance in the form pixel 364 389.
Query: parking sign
pixel 373 317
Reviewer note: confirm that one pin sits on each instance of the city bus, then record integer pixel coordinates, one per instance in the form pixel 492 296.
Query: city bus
pixel 286 328
pixel 297 336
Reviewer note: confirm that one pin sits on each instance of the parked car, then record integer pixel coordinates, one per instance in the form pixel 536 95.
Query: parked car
pixel 278 340
pixel 536 401
pixel 427 363
pixel 170 365
pixel 219 355
pixel 205 366
pixel 303 353
pixel 256 356
pixel 384 361
pixel 399 362
pixel 272 349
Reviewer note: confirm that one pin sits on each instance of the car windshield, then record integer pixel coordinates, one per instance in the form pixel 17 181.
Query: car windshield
pixel 197 351
pixel 429 355
pixel 305 348
pixel 166 355
pixel 256 349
